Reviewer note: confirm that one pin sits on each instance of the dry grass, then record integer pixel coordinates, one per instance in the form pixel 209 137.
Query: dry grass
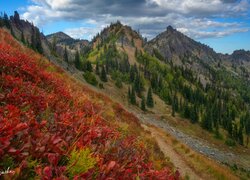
pixel 205 167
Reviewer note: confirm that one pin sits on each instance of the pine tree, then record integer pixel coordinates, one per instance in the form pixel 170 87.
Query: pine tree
pixel 33 40
pixel 66 58
pixel 38 44
pixel 138 85
pixel 247 126
pixel 194 114
pixel 173 111
pixel 132 74
pixel 143 106
pixel 104 75
pixel 240 136
pixel 54 44
pixel 89 66
pixel 22 38
pixel 150 101
pixel 97 71
pixel 133 97
pixel 207 120
pixel 77 61
pixel 129 94
pixel 6 21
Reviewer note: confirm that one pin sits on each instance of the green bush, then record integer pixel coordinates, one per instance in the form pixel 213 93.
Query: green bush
pixel 118 83
pixel 90 78
pixel 230 142
pixel 80 161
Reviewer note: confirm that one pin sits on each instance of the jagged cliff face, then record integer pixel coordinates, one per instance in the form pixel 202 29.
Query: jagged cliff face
pixel 239 56
pixel 174 45
pixel 28 30
pixel 239 62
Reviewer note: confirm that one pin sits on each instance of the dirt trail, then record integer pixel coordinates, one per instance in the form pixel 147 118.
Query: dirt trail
pixel 168 151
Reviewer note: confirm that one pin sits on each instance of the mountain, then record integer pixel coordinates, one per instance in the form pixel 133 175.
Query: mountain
pixel 124 38
pixel 172 79
pixel 63 39
pixel 173 45
pixel 53 127
pixel 240 56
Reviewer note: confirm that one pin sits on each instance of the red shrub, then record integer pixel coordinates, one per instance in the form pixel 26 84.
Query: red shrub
pixel 42 119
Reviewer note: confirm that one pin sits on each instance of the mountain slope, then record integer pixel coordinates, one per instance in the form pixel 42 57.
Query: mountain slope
pixel 49 122
pixel 173 44
pixel 118 65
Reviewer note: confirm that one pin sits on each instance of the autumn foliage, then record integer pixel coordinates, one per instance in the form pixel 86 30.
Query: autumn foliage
pixel 50 131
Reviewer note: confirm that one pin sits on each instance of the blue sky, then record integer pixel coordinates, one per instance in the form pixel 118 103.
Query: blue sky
pixel 224 25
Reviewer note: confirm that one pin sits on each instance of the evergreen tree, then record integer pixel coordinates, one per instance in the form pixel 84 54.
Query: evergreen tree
pixel 235 131
pixel 240 136
pixel 150 101
pixel 6 21
pixel 133 97
pixel 54 45
pixel 207 120
pixel 175 105
pixel 247 126
pixel 97 71
pixel 138 85
pixel 38 45
pixel 143 106
pixel 66 58
pixel 129 94
pixel 104 75
pixel 77 61
pixel 194 114
pixel 186 110
pixel 33 40
pixel 22 38
pixel 173 111
pixel 89 66
pixel 132 74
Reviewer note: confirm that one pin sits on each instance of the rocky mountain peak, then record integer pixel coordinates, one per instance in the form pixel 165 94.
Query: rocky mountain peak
pixel 240 55
pixel 173 44
pixel 170 29
pixel 59 36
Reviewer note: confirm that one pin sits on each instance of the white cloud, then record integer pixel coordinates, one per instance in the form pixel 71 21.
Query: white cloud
pixel 195 18
pixel 83 32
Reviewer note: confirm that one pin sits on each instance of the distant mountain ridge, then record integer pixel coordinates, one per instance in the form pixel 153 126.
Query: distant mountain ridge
pixel 64 39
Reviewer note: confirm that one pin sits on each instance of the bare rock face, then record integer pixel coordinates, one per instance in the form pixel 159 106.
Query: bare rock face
pixel 239 56
pixel 172 43
pixel 28 31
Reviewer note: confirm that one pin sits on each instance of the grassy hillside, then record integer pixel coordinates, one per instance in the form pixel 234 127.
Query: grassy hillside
pixel 53 127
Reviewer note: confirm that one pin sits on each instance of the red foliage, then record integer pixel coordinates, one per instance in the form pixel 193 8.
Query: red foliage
pixel 41 118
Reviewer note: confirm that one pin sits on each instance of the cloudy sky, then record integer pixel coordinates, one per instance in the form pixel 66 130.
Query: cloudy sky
pixel 222 24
